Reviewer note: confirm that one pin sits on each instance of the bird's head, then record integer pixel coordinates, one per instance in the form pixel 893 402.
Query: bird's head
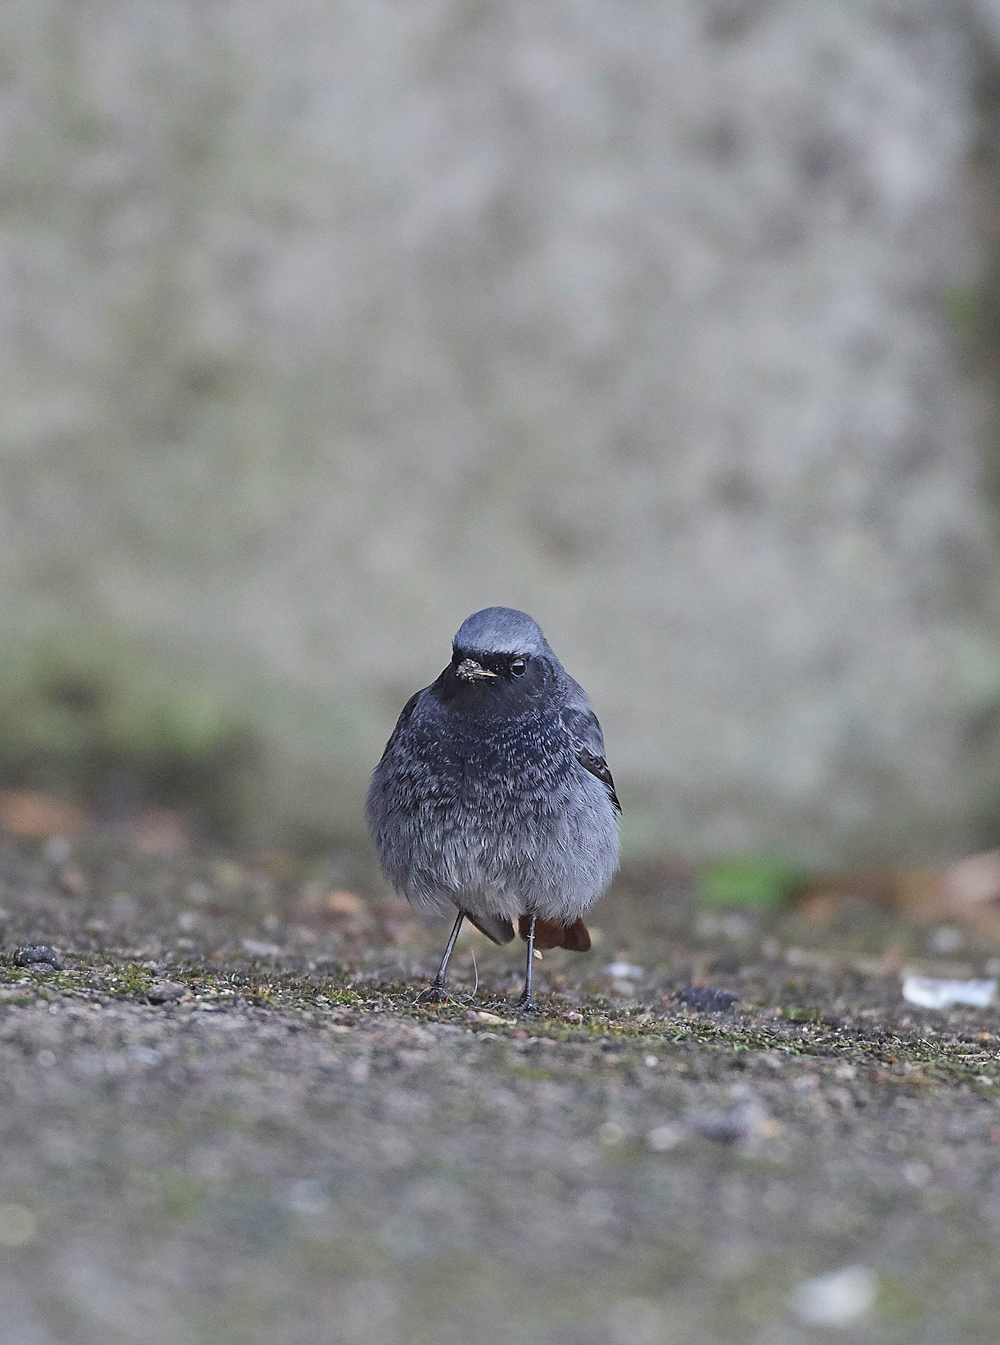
pixel 500 660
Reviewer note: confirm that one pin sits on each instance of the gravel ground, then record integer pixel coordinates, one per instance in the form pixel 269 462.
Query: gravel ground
pixel 228 1119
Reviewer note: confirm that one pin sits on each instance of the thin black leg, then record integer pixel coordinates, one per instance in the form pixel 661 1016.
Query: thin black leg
pixel 435 992
pixel 526 1002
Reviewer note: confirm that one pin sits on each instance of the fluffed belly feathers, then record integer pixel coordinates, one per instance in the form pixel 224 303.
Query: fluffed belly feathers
pixel 499 835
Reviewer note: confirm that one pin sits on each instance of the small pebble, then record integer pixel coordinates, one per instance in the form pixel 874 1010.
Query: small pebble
pixel 664 1137
pixel 307 1197
pixel 835 1299
pixel 256 948
pixel 163 992
pixel 705 998
pixel 33 954
pixel 742 1122
pixel 720 1126
pixel 624 971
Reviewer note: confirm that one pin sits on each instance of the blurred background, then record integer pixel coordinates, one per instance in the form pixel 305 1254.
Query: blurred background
pixel 678 326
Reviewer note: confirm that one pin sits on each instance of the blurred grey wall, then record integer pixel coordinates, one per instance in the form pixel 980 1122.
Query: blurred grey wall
pixel 324 324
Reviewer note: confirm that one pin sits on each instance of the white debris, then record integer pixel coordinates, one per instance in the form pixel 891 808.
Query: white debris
pixel 256 948
pixel 932 992
pixel 664 1138
pixel 623 971
pixel 836 1299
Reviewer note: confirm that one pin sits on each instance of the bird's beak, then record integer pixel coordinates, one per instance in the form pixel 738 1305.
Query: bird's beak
pixel 469 670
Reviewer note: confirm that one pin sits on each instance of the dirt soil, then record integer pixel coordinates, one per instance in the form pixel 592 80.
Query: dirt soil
pixel 289 1147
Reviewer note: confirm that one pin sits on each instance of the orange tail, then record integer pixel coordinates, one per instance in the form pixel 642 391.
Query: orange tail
pixel 550 934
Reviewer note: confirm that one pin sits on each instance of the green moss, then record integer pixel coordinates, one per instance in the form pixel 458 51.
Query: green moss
pixel 133 979
pixel 899 1302
pixel 180 1196
pixel 758 882
pixel 963 307
pixel 345 1255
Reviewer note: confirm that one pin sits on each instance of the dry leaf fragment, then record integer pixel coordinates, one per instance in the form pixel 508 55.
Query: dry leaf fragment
pixel 29 812
pixel 345 903
pixel 972 882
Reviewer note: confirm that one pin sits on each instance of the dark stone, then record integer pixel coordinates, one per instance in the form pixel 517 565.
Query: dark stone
pixel 33 954
pixel 722 1127
pixel 705 998
pixel 164 992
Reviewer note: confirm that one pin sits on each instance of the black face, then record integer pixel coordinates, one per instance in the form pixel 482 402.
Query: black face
pixel 516 682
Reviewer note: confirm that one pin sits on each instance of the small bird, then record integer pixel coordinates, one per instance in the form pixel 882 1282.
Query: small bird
pixel 493 793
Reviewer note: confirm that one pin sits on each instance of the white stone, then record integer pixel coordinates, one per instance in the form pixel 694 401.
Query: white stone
pixel 835 1299
pixel 932 992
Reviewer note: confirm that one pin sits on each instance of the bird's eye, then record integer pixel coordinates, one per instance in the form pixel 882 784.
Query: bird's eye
pixel 517 667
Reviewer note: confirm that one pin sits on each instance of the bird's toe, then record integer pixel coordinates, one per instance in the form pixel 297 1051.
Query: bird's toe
pixel 434 994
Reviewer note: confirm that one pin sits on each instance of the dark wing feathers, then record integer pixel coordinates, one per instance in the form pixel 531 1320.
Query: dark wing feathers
pixel 599 767
pixel 588 742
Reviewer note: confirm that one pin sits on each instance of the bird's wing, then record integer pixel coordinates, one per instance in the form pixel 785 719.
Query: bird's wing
pixel 588 742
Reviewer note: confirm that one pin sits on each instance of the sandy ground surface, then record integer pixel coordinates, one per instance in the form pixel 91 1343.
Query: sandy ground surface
pixel 288 1147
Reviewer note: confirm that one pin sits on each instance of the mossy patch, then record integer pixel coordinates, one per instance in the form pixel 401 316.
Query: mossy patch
pixel 895 1059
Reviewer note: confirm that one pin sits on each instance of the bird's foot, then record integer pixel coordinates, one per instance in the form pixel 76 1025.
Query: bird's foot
pixel 438 994
pixel 527 1008
pixel 434 994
